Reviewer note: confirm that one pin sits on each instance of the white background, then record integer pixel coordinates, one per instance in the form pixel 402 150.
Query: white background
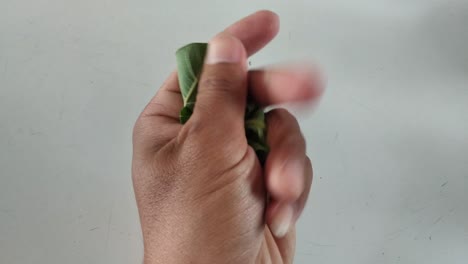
pixel 389 141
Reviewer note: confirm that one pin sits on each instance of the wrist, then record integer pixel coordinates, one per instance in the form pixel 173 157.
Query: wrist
pixel 198 245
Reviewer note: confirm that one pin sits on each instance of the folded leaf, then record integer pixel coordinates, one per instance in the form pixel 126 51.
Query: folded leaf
pixel 190 60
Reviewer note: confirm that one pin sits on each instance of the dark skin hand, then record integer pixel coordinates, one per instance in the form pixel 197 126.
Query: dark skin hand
pixel 200 189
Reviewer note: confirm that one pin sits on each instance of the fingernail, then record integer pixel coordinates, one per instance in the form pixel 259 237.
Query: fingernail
pixel 282 221
pixel 224 48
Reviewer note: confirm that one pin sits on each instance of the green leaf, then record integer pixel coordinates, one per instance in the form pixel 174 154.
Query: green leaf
pixel 190 60
pixel 189 65
pixel 256 130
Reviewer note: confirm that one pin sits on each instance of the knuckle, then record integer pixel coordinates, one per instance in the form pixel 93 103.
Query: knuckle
pixel 149 135
pixel 301 139
pixel 192 128
pixel 281 119
pixel 203 141
pixel 138 129
pixel 217 84
pixel 285 126
pixel 295 142
pixel 282 113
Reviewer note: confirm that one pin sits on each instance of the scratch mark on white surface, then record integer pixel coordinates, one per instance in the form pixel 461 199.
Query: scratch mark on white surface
pixel 365 106
pixel 61 111
pixel 423 207
pixel 33 132
pixel 11 141
pixel 62 106
pixel 395 234
pixel 342 161
pixel 104 71
pixel 445 183
pixel 417 210
pixel 315 244
pixel 109 223
pixel 305 253
pixel 6 211
pixel 143 84
pixel 95 228
pixel 5 67
pixel 37 44
pixel 438 220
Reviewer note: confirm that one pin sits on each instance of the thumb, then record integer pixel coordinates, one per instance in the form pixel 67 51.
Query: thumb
pixel 222 90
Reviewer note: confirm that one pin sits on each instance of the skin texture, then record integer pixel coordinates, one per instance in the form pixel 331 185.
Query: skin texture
pixel 201 192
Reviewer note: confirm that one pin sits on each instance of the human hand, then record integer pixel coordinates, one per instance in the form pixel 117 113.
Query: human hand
pixel 202 194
